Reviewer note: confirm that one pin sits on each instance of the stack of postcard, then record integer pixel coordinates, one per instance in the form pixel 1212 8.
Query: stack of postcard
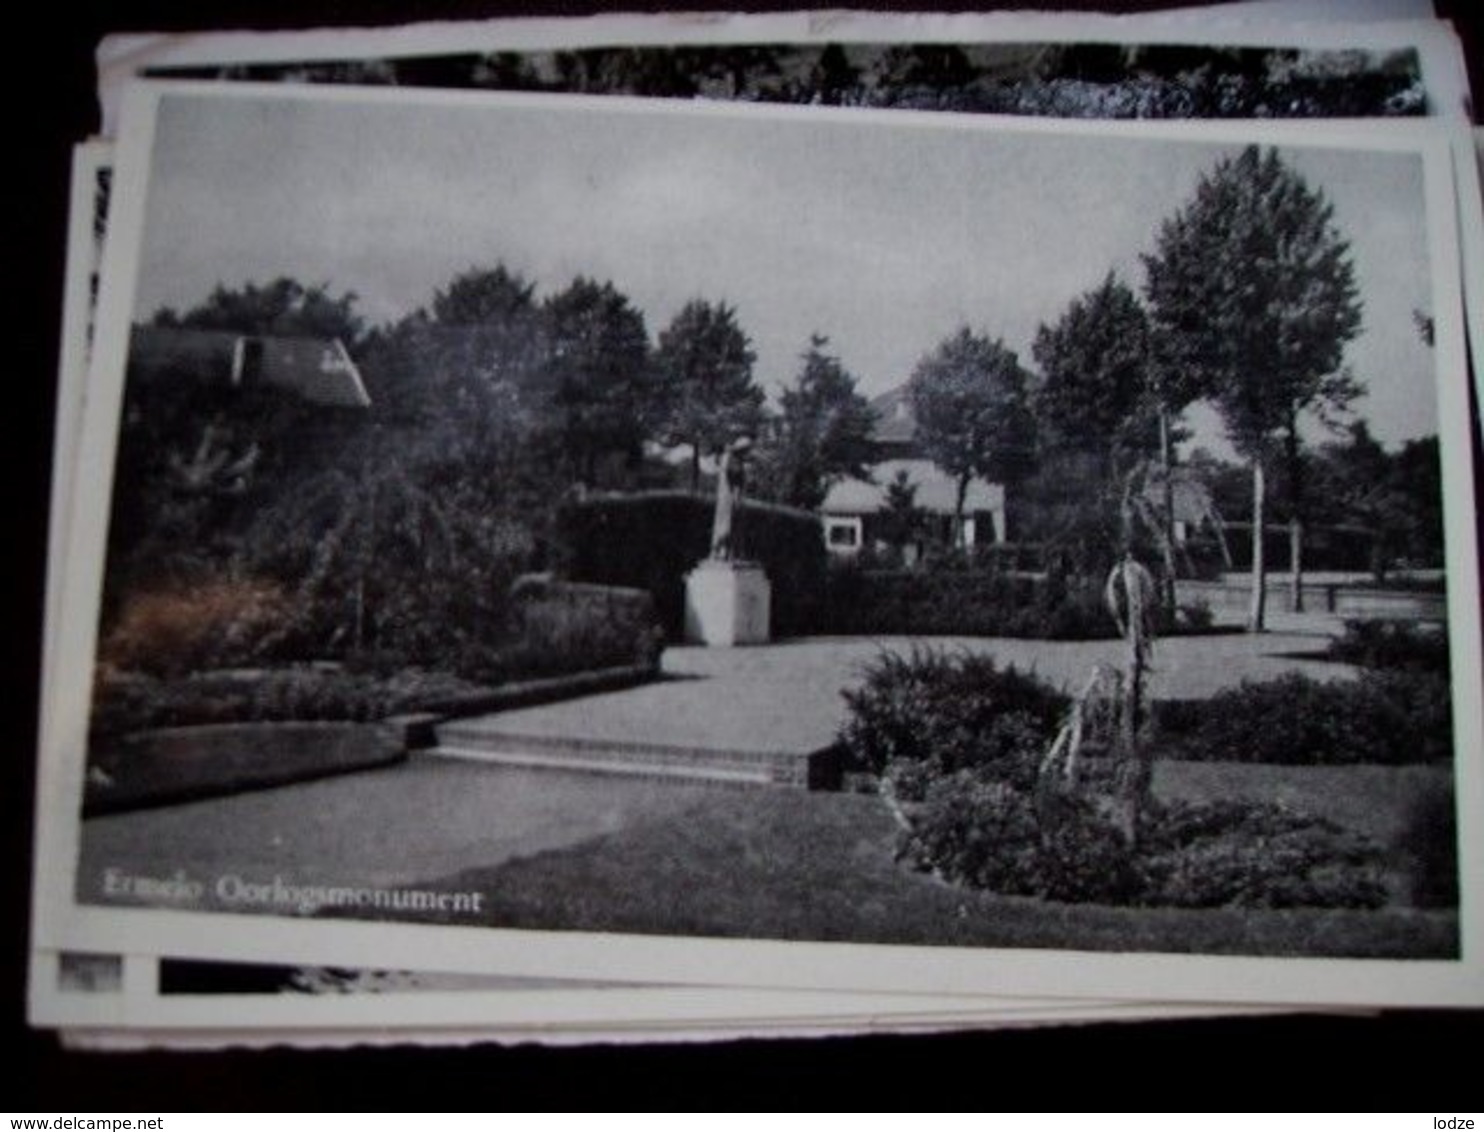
pixel 646 528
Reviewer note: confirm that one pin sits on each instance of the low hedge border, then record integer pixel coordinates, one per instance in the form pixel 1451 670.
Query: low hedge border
pixel 171 765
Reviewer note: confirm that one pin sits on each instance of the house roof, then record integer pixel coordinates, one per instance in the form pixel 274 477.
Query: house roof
pixel 937 492
pixel 1192 500
pixel 319 370
pixel 894 421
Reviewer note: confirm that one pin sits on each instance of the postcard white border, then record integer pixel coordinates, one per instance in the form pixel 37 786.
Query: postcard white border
pixel 138 1004
pixel 63 924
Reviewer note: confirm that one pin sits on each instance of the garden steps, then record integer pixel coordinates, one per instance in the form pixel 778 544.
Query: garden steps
pixel 484 740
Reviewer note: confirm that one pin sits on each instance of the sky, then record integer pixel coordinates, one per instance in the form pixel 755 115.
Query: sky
pixel 885 238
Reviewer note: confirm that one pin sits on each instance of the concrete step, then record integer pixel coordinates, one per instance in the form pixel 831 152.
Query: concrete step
pixel 484 742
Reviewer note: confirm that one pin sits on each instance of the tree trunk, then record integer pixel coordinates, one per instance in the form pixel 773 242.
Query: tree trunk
pixel 1296 563
pixel 1167 591
pixel 959 540
pixel 1258 607
pixel 1296 512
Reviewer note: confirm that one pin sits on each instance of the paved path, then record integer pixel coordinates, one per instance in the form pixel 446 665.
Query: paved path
pixel 786 697
pixel 433 817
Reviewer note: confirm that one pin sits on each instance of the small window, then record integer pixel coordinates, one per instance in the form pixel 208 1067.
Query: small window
pixel 843 534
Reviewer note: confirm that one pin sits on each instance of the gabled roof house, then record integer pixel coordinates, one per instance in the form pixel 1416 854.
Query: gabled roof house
pixel 852 509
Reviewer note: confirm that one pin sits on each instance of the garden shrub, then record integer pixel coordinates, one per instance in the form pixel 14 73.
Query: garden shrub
pixel 950 711
pixel 1428 842
pixel 1194 617
pixel 561 627
pixel 1082 856
pixel 651 540
pixel 1254 855
pixel 390 564
pixel 964 601
pixel 976 830
pixel 955 597
pixel 126 702
pixel 213 623
pixel 1386 717
pixel 959 743
pixel 1389 643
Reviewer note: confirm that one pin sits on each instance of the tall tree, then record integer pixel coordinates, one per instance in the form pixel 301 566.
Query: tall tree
pixel 597 374
pixel 483 295
pixel 1094 407
pixel 1252 291
pixel 283 307
pixel 822 433
pixel 1094 391
pixel 703 368
pixel 971 403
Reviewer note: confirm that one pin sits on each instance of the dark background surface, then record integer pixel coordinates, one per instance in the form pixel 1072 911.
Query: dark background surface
pixel 1414 1060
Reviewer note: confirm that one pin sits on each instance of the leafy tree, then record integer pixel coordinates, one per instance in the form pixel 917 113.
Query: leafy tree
pixel 901 520
pixel 403 544
pixel 597 374
pixel 1102 392
pixel 1252 293
pixel 1094 390
pixel 1396 495
pixel 703 367
pixel 196 458
pixel 283 307
pixel 483 296
pixel 971 403
pixel 822 433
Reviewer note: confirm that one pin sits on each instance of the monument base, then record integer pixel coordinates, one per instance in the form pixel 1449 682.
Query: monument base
pixel 727 603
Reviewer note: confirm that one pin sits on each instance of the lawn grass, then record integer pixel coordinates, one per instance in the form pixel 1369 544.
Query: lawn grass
pixel 785 865
pixel 1372 800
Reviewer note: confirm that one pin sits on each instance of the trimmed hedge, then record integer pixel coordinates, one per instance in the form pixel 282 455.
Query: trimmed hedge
pixel 975 601
pixel 1387 717
pixel 1381 642
pixel 560 627
pixel 128 702
pixel 552 629
pixel 651 540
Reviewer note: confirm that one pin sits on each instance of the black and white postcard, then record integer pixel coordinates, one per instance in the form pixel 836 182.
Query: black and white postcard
pixel 89 990
pixel 774 546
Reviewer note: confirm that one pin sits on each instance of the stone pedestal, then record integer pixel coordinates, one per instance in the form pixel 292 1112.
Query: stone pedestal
pixel 727 603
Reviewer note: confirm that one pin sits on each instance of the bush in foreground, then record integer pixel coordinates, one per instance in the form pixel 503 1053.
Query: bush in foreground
pixel 975 830
pixel 948 711
pixel 960 744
